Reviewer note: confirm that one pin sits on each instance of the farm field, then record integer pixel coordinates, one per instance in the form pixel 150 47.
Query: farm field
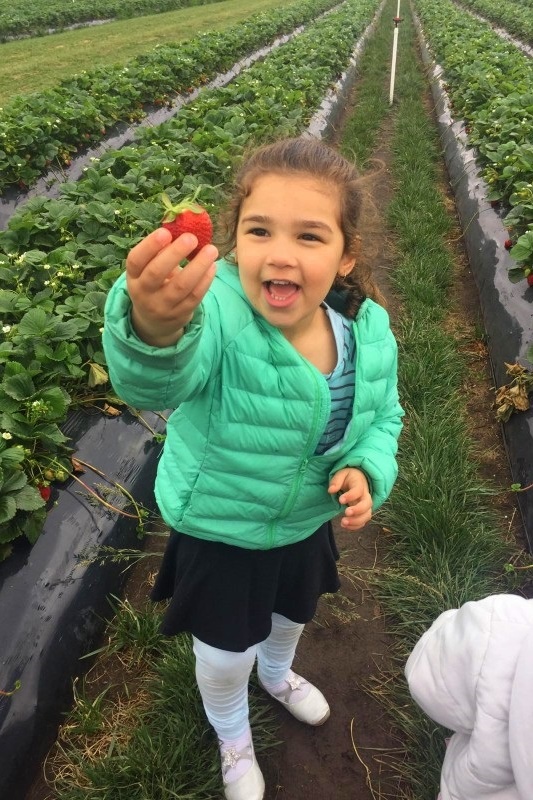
pixel 42 17
pixel 52 59
pixel 452 530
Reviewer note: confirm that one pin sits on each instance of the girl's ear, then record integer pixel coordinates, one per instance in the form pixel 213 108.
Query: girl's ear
pixel 346 266
pixel 349 260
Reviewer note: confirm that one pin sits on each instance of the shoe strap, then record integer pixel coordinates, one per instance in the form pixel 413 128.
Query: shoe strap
pixel 230 757
pixel 295 682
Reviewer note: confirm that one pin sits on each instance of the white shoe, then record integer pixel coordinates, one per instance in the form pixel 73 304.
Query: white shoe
pixel 251 785
pixel 313 708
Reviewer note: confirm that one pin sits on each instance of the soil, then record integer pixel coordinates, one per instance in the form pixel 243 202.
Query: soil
pixel 347 643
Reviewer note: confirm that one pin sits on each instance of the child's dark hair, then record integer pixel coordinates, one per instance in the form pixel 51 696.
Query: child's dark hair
pixel 313 157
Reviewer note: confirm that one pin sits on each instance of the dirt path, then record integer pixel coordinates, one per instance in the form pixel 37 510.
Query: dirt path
pixel 342 648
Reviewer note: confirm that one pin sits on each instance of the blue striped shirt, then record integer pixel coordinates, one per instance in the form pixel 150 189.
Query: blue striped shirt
pixel 341 382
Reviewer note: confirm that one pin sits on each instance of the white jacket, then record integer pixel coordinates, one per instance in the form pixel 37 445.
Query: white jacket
pixel 472 672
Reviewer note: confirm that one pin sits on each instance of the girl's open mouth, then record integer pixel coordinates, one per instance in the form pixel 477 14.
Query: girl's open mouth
pixel 280 294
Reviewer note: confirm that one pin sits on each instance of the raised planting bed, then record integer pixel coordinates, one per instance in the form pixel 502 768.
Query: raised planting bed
pixel 54 594
pixel 507 307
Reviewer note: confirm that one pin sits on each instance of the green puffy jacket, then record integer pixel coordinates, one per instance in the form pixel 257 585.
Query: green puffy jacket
pixel 238 465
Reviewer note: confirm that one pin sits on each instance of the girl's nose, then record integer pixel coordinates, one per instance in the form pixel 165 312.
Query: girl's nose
pixel 282 253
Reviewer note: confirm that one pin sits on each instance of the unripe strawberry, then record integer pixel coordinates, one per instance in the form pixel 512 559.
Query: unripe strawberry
pixel 187 217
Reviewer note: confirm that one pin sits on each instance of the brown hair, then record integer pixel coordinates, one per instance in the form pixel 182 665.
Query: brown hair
pixel 310 156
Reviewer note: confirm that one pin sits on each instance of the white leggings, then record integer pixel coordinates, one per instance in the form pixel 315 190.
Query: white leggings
pixel 223 676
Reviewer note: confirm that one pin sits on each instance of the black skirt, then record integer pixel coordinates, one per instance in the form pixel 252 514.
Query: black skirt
pixel 225 595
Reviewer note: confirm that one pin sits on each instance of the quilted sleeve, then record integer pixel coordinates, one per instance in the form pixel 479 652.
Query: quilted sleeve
pixel 155 378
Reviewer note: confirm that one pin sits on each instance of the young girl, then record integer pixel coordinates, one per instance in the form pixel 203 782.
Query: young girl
pixel 282 372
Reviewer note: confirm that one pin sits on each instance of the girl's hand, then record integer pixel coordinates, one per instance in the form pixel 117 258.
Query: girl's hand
pixel 164 296
pixel 355 496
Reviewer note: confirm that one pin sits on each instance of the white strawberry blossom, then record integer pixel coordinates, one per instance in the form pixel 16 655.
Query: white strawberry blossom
pixel 6 435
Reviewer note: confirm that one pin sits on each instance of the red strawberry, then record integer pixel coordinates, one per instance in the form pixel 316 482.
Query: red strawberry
pixel 508 244
pixel 187 217
pixel 530 279
pixel 44 491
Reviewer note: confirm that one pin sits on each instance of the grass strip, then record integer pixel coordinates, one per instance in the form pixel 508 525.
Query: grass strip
pixel 361 128
pixel 147 736
pixel 446 544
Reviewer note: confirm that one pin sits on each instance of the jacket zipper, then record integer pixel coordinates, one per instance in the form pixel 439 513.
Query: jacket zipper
pixel 295 487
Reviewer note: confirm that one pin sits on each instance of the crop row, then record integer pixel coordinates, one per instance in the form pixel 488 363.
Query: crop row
pixel 61 256
pixel 515 18
pixel 490 83
pixel 36 17
pixel 43 130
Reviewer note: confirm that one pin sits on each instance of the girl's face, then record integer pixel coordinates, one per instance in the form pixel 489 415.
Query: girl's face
pixel 289 248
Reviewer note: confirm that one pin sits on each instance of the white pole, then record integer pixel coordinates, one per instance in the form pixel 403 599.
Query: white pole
pixel 394 51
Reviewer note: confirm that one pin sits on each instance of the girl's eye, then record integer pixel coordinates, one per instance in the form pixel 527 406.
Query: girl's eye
pixel 258 232
pixel 310 237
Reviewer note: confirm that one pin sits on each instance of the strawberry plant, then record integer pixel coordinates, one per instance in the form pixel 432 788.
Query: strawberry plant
pixel 22 508
pixel 49 359
pixel 489 82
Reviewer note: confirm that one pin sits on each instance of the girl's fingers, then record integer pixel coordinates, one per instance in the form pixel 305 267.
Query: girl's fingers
pixel 186 303
pixel 355 523
pixel 155 259
pixel 165 263
pixel 186 282
pixel 146 251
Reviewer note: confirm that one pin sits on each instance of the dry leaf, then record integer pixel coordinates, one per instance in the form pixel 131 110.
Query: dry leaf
pixel 77 468
pixel 111 411
pixel 97 375
pixel 514 396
